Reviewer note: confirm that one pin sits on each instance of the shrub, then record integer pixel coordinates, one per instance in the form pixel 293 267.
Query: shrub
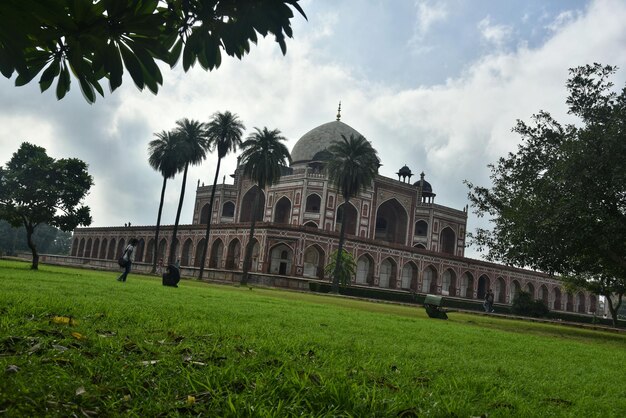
pixel 524 305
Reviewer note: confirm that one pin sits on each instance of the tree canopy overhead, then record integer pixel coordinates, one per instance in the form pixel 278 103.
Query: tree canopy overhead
pixel 97 39
pixel 559 203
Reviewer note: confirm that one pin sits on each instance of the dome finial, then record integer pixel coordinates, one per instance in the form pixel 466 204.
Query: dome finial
pixel 339 111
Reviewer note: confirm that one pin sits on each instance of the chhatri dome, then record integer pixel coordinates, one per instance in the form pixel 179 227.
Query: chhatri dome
pixel 311 146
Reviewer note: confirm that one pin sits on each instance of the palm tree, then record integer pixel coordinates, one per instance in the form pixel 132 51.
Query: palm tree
pixel 263 158
pixel 351 168
pixel 164 158
pixel 224 132
pixel 193 146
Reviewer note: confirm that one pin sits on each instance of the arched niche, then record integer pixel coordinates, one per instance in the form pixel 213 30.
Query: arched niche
pixel 204 214
pixel 217 252
pixel 466 285
pixel 228 210
pixel 388 273
pixel 282 211
pixel 421 228
pixel 448 241
pixel 281 257
pixel 247 204
pixel 348 212
pixel 391 222
pixel 313 203
pixel 185 258
pixel 314 262
pixel 365 269
pixel 429 280
pixel 409 276
pixel 233 255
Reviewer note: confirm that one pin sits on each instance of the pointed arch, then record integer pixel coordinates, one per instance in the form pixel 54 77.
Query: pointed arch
pixel 96 248
pixel 111 252
pixel 313 203
pixel 530 288
pixel 199 252
pixel 420 246
pixel 103 249
pixel 233 255
pixel 365 269
pixel 580 303
pixel 544 295
pixel 429 280
pixel 448 283
pixel 247 203
pixel 281 258
pixel 161 254
pixel 81 247
pixel 204 214
pixel 391 222
pixel 256 254
pixel 516 288
pixel 351 216
pixel 421 228
pixel 500 291
pixel 314 262
pixel 483 286
pixel 447 239
pixel 217 252
pixel 409 276
pixel 139 251
pixel 311 224
pixel 557 302
pixel 569 306
pixel 593 305
pixel 228 209
pixel 388 273
pixel 282 211
pixel 120 247
pixel 87 252
pixel 150 251
pixel 466 286
pixel 185 257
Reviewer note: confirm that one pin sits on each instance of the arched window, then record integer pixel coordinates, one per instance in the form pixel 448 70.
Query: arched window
pixel 248 203
pixel 313 203
pixel 347 211
pixel 204 214
pixel 228 210
pixel 448 239
pixel 282 211
pixel 421 228
pixel 387 276
pixel 364 269
pixel 391 222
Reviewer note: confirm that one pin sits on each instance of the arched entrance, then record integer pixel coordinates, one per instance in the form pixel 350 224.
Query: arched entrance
pixel 217 252
pixel 569 307
pixel 103 249
pixel 592 304
pixel 483 286
pixel 150 251
pixel 199 253
pixel 466 286
pixel 204 214
pixel 120 248
pixel 228 210
pixel 348 212
pixel 409 276
pixel 234 255
pixel 429 280
pixel 580 303
pixel 448 241
pixel 81 247
pixel 388 274
pixel 314 262
pixel 282 211
pixel 515 290
pixel 500 292
pixel 557 303
pixel 530 288
pixel 247 204
pixel 364 269
pixel 96 248
pixel 185 258
pixel 111 251
pixel 141 246
pixel 544 295
pixel 391 222
pixel 313 203
pixel 281 257
pixel 448 283
pixel 87 253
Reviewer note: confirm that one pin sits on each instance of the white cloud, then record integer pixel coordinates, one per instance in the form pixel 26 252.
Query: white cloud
pixel 563 19
pixel 427 14
pixel 494 34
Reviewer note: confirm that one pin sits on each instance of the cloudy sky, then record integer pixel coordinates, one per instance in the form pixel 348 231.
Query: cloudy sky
pixel 436 85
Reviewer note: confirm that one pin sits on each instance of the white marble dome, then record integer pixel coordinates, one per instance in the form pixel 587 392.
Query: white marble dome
pixel 318 139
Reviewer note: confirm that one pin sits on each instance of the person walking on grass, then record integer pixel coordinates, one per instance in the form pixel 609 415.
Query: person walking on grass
pixel 129 257
pixel 489 298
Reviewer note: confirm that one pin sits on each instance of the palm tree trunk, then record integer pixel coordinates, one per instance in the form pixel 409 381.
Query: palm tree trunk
pixel 172 257
pixel 158 226
pixel 247 261
pixel 208 225
pixel 30 229
pixel 342 238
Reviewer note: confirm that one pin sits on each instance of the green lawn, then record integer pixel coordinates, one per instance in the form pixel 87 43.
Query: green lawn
pixel 141 349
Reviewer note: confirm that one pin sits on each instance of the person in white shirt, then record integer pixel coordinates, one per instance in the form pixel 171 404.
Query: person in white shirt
pixel 129 256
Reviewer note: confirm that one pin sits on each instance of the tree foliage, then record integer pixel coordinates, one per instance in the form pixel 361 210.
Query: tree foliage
pixel 99 39
pixel 559 203
pixel 264 158
pixel 346 271
pixel 37 189
pixel 524 304
pixel 224 132
pixel 48 239
pixel 352 167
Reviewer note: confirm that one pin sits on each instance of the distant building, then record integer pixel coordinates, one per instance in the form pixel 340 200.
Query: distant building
pixel 400 238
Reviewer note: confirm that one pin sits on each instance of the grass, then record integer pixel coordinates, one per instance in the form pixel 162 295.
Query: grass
pixel 141 349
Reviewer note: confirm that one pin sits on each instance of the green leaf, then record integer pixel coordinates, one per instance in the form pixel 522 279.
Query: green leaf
pixel 113 65
pixel 50 74
pixel 63 85
pixel 174 54
pixel 87 90
pixel 133 66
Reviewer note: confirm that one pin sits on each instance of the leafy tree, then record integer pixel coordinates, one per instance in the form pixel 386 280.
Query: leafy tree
pixel 352 167
pixel 559 203
pixel 263 158
pixel 347 269
pixel 164 156
pixel 224 133
pixel 37 189
pixel 98 39
pixel 191 150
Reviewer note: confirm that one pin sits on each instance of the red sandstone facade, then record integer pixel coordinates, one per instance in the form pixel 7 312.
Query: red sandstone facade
pixel 399 237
